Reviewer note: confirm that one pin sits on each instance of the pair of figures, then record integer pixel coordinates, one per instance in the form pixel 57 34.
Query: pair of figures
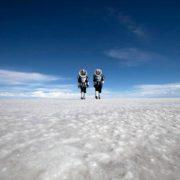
pixel 83 82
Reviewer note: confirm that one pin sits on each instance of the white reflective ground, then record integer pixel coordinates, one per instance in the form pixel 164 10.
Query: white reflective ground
pixel 90 140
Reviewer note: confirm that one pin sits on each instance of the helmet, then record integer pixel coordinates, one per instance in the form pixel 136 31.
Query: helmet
pixel 82 73
pixel 98 72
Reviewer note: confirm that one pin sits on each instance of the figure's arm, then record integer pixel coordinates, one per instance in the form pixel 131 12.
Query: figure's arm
pixel 87 81
pixel 103 79
pixel 79 81
pixel 94 80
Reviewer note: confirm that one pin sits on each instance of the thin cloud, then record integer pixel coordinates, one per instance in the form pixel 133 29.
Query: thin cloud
pixel 40 94
pixel 64 91
pixel 133 56
pixel 158 90
pixel 33 84
pixel 16 77
pixel 128 22
pixel 131 25
pixel 54 94
pixel 169 90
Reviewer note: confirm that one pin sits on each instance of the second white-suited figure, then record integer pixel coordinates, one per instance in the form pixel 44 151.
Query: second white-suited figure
pixel 98 79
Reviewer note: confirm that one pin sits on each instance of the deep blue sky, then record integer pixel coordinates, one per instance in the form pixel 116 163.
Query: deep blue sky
pixel 134 42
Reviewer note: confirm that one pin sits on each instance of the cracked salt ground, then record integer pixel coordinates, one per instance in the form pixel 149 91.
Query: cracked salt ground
pixel 90 140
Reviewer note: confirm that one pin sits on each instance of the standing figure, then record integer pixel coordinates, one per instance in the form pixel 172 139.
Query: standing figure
pixel 98 79
pixel 83 82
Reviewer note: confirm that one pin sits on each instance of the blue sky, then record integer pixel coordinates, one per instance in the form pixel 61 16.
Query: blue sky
pixel 43 44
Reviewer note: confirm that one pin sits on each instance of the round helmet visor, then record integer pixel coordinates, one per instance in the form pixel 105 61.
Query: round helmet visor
pixel 82 72
pixel 98 72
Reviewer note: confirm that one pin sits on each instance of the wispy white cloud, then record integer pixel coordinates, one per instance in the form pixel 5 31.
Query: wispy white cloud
pixel 171 90
pixel 131 25
pixel 16 77
pixel 158 90
pixel 40 94
pixel 128 22
pixel 55 94
pixel 133 56
pixel 33 84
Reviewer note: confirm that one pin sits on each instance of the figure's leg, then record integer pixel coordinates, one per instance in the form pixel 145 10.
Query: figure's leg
pixel 99 90
pixel 82 97
pixel 96 94
pixel 84 93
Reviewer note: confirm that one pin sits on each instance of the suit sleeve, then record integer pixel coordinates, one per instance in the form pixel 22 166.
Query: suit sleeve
pixel 87 79
pixel 79 79
pixel 103 77
pixel 94 78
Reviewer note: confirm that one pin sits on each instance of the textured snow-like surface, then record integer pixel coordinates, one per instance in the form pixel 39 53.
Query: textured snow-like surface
pixel 90 140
